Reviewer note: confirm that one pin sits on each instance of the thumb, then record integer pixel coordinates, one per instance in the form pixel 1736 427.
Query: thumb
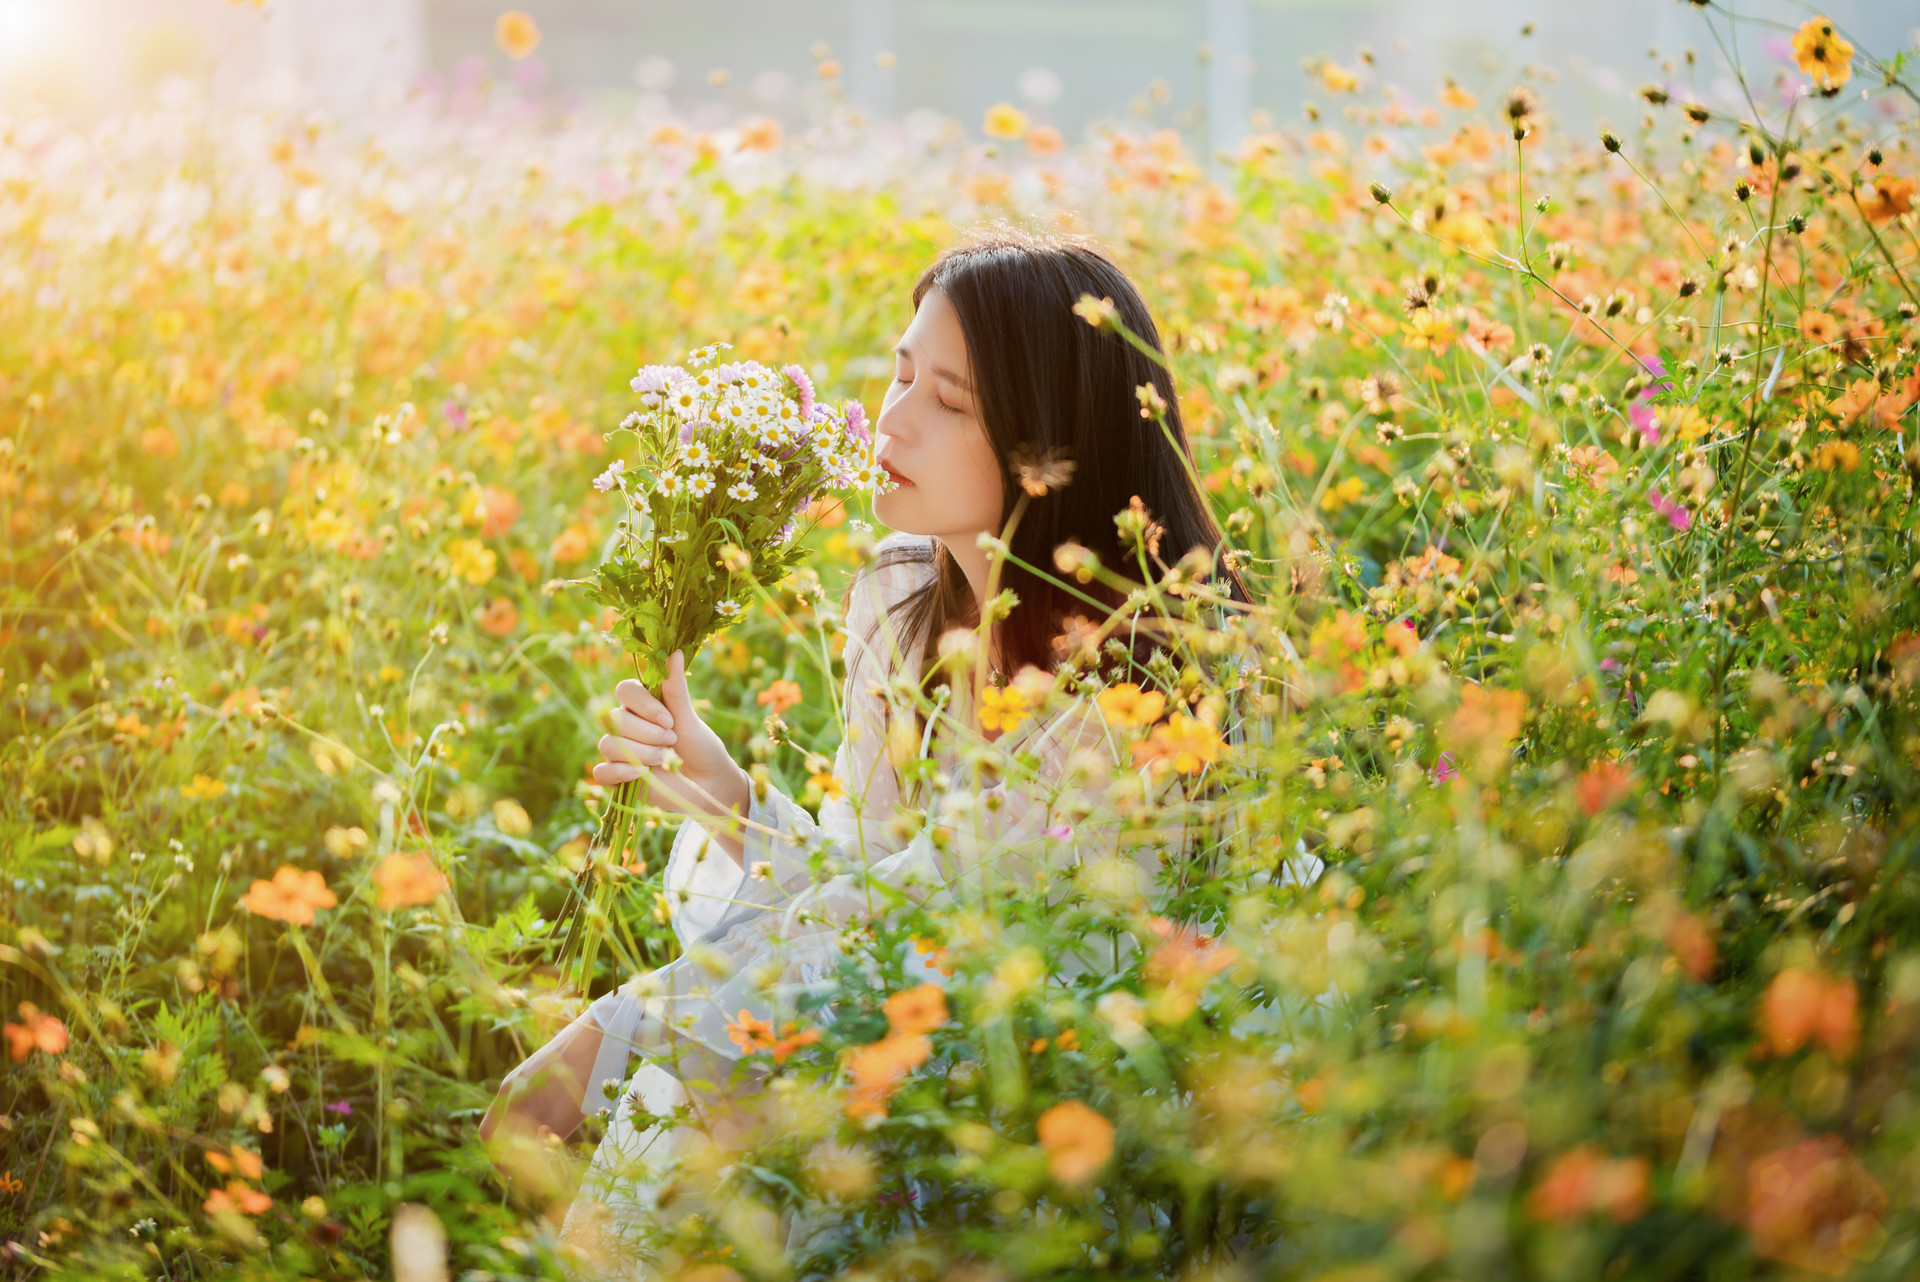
pixel 673 691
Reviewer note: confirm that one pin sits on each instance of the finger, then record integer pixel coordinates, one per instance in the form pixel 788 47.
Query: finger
pixel 615 749
pixel 638 699
pixel 673 691
pixel 612 773
pixel 637 728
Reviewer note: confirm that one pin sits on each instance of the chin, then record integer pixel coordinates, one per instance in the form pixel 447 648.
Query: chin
pixel 896 515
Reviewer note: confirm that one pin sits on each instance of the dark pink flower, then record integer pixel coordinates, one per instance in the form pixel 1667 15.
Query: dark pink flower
pixel 1676 514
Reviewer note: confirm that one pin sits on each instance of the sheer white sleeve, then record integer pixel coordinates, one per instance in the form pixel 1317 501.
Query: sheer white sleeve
pixel 739 924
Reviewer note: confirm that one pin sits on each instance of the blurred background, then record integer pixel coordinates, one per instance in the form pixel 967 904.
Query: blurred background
pixel 1212 67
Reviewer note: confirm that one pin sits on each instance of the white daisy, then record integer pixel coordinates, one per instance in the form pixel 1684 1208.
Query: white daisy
pixel 668 485
pixel 729 608
pixel 699 484
pixel 742 492
pixel 696 454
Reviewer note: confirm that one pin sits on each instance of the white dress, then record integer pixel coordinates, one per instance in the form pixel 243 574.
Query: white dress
pixel 770 926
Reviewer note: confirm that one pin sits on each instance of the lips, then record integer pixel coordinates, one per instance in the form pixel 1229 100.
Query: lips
pixel 898 477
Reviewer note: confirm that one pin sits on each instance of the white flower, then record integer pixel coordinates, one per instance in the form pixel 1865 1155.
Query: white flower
pixel 653 378
pixel 632 420
pixel 668 485
pixel 700 357
pixel 699 484
pixel 696 454
pixel 742 492
pixel 771 466
pixel 860 526
pixel 728 607
pixel 611 477
pixel 685 400
pixel 865 476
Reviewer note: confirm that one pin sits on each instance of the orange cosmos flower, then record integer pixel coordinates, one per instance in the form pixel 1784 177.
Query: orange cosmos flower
pixel 407 881
pixel 1602 785
pixel 573 544
pixel 792 1038
pixel 750 1034
pixel 237 1198
pixel 1046 141
pixel 1186 745
pixel 1184 955
pixel 1813 1206
pixel 1803 1006
pixel 779 696
pixel 1823 53
pixel 878 1069
pixel 1690 941
pixel 1818 327
pixel 1586 1181
pixel 1078 1141
pixel 500 618
pixel 236 1158
pixel 1887 198
pixel 292 896
pixel 762 134
pixel 39 1032
pixel 1594 462
pixel 1128 705
pixel 1486 721
pixel 917 1010
pixel 1431 562
pixel 516 33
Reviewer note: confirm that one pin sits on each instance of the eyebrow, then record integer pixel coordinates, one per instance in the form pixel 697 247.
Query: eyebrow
pixel 947 374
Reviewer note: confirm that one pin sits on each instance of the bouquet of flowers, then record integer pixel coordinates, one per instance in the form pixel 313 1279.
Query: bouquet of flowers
pixel 729 461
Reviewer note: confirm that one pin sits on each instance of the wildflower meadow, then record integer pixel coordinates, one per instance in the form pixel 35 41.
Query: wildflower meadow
pixel 1534 887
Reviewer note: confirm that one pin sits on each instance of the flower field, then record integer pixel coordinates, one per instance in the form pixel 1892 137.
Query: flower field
pixel 1570 477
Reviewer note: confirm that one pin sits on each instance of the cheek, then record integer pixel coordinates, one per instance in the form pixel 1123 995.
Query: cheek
pixel 981 485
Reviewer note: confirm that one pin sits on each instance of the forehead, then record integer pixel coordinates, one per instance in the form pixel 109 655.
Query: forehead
pixel 934 333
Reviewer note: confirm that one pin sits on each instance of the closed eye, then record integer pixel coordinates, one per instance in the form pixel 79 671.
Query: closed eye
pixel 951 409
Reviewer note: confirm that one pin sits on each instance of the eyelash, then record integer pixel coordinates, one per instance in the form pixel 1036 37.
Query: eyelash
pixel 951 409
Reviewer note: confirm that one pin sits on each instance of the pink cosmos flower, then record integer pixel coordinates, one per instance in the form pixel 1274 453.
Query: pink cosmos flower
pixel 1676 514
pixel 1641 413
pixel 611 477
pixel 1445 769
pixel 798 373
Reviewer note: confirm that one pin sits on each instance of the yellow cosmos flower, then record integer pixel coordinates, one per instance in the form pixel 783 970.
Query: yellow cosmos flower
pixel 1001 709
pixel 1004 120
pixel 516 33
pixel 1128 705
pixel 472 560
pixel 203 788
pixel 1823 53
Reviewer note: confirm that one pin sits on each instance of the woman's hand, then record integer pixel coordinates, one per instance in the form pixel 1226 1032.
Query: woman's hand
pixel 645 728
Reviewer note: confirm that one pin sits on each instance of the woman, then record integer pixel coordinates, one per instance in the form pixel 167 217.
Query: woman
pixel 1013 407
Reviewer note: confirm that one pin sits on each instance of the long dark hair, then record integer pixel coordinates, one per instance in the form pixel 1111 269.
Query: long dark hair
pixel 1050 386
